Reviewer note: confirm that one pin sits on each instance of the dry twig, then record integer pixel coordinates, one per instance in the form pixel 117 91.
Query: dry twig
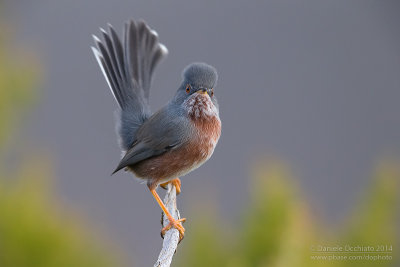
pixel 171 238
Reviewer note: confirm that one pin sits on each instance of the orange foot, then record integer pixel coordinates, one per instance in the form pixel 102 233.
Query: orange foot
pixel 175 224
pixel 176 182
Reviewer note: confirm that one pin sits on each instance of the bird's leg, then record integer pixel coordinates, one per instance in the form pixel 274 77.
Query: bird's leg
pixel 176 182
pixel 172 222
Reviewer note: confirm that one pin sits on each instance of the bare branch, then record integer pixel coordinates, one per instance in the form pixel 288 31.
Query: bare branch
pixel 171 238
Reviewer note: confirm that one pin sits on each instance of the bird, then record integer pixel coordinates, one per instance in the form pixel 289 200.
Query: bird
pixel 158 147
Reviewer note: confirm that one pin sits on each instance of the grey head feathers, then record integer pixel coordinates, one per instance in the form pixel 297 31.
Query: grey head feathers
pixel 200 75
pixel 128 67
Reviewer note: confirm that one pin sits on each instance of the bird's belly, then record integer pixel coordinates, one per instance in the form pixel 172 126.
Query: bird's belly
pixel 174 163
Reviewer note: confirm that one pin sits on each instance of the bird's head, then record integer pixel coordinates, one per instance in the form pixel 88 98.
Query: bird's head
pixel 198 79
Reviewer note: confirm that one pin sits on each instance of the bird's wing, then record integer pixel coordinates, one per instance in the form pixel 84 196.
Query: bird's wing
pixel 128 67
pixel 157 135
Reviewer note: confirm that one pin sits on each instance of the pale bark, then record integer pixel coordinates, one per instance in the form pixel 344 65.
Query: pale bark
pixel 171 238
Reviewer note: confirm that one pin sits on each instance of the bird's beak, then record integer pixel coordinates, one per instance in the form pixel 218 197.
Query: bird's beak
pixel 202 91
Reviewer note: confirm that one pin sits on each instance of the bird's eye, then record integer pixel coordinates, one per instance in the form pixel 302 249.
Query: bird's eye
pixel 212 91
pixel 188 88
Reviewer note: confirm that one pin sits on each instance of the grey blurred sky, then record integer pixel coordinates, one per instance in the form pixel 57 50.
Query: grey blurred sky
pixel 314 83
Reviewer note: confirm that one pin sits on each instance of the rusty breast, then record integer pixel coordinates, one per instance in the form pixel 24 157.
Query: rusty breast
pixel 205 118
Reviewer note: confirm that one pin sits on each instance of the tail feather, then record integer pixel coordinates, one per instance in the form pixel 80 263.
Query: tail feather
pixel 131 55
pixel 128 68
pixel 119 55
pixel 110 49
pixel 158 55
pixel 104 61
pixel 104 69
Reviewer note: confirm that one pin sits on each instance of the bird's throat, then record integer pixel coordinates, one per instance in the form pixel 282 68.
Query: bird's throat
pixel 200 106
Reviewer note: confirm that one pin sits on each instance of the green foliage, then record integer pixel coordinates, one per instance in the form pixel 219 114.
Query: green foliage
pixel 277 228
pixel 374 222
pixel 35 231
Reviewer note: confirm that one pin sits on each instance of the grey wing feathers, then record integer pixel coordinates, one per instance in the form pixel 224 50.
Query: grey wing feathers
pixel 128 67
pixel 138 153
pixel 158 135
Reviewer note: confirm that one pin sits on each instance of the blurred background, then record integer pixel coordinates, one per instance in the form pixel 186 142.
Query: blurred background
pixel 309 156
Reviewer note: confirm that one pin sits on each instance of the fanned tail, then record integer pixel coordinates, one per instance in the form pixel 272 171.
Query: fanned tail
pixel 128 68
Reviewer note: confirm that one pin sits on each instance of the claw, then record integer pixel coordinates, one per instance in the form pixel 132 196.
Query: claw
pixel 176 182
pixel 177 225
